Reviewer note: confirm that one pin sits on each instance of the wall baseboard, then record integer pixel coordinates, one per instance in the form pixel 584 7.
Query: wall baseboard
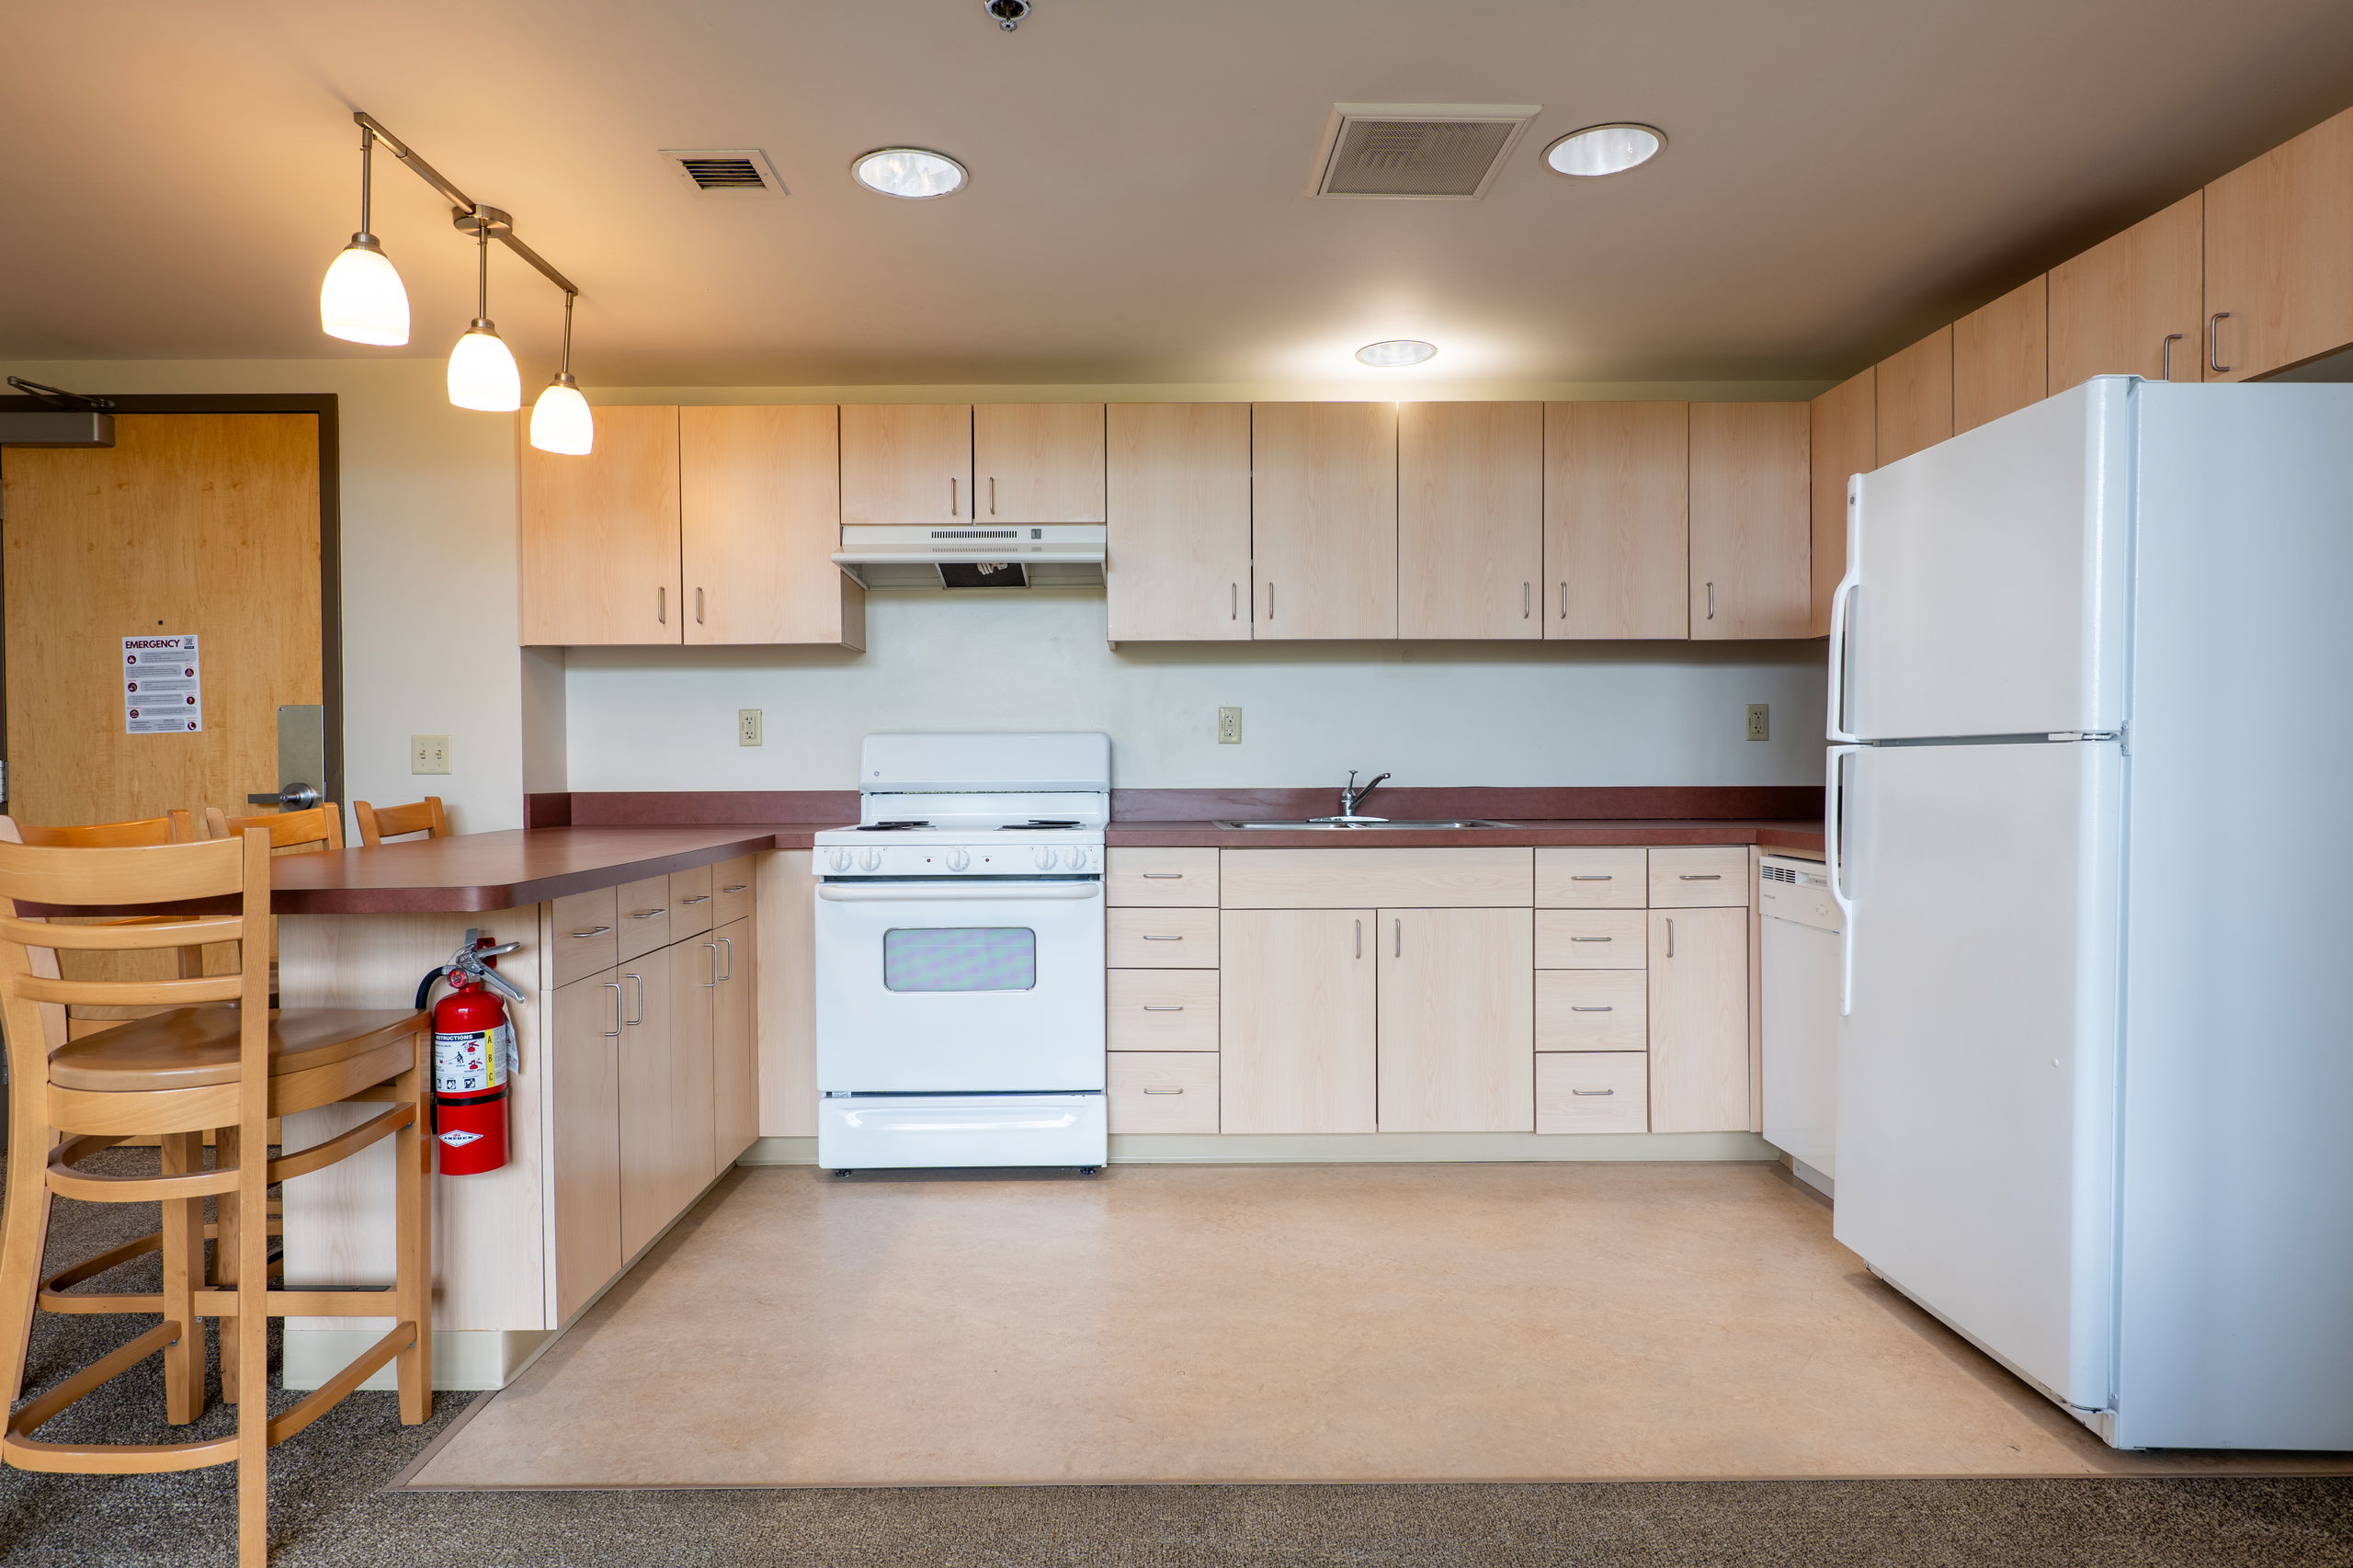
pixel 464 1359
pixel 1177 1149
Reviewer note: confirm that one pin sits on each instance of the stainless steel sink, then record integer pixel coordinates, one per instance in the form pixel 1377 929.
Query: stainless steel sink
pixel 1360 826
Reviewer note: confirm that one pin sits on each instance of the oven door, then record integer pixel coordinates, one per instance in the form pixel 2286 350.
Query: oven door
pixel 965 985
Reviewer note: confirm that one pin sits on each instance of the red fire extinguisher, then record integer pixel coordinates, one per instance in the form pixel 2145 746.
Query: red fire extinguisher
pixel 473 1057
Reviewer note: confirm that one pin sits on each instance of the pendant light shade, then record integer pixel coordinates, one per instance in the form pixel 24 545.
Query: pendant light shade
pixel 483 373
pixel 560 422
pixel 361 300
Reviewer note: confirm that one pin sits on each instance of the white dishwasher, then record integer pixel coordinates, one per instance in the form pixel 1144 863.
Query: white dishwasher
pixel 1801 939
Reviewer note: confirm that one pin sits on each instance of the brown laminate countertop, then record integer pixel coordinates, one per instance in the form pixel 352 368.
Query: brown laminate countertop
pixel 1778 834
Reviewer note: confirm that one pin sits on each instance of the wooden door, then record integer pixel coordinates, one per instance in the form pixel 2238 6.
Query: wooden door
pixel 759 519
pixel 2001 355
pixel 906 462
pixel 647 1083
pixel 1751 568
pixel 1915 397
pixel 2131 304
pixel 1470 519
pixel 1843 442
pixel 1178 501
pixel 583 1150
pixel 1295 1021
pixel 599 535
pixel 1037 463
pixel 2280 254
pixel 1616 512
pixel 1698 1020
pixel 1457 1020
pixel 695 965
pixel 1324 525
pixel 190 524
pixel 734 1047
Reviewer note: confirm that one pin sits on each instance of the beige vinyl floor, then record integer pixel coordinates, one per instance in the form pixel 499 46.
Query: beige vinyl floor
pixel 1267 1323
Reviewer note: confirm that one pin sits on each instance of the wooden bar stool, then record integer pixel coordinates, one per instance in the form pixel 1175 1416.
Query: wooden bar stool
pixel 219 1059
pixel 319 827
pixel 378 823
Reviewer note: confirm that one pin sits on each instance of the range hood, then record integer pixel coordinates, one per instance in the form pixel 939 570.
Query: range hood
pixel 886 556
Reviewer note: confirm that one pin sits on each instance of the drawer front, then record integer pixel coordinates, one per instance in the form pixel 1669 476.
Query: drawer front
pixel 1591 938
pixel 1359 879
pixel 644 922
pixel 731 885
pixel 1600 877
pixel 1593 1091
pixel 1699 876
pixel 1592 1009
pixel 1160 938
pixel 1162 1091
pixel 583 936
pixel 691 902
pixel 1161 879
pixel 1161 1009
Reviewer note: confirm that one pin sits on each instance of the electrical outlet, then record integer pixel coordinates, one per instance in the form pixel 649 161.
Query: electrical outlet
pixel 1229 726
pixel 747 727
pixel 1760 721
pixel 428 754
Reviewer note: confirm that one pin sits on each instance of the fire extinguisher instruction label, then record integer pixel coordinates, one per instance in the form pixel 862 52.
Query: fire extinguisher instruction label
pixel 473 1060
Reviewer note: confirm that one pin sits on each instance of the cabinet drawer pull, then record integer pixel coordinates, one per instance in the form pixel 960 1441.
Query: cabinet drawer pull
pixel 738 887
pixel 1592 939
pixel 615 1032
pixel 1670 938
pixel 713 949
pixel 1150 1007
pixel 1592 876
pixel 1163 939
pixel 1701 877
pixel 1593 1091
pixel 2214 342
pixel 592 931
pixel 1164 876
pixel 698 898
pixel 731 957
pixel 641 1001
pixel 1164 1091
pixel 2164 355
pixel 649 914
pixel 1576 1009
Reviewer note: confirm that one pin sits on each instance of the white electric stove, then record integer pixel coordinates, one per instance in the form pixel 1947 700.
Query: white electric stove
pixel 959 955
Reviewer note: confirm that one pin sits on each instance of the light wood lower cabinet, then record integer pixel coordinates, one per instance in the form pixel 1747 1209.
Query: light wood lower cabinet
pixel 1592 1009
pixel 1699 1019
pixel 1600 877
pixel 584 1037
pixel 1408 878
pixel 734 1047
pixel 1162 1091
pixel 647 1158
pixel 1296 1010
pixel 1160 938
pixel 1457 1020
pixel 1160 1009
pixel 1160 879
pixel 694 1137
pixel 1592 1092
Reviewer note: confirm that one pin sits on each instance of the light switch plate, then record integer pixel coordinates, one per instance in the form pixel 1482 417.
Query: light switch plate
pixel 1760 721
pixel 747 727
pixel 428 754
pixel 1229 726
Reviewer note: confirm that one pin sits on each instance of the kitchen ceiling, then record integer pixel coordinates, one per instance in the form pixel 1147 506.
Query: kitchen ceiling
pixel 1840 173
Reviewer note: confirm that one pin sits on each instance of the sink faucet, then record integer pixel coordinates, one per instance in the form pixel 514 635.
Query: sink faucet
pixel 1351 797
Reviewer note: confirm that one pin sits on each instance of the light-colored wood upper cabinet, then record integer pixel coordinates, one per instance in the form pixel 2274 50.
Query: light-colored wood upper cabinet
pixel 1750 558
pixel 1915 397
pixel 734 1046
pixel 2280 255
pixel 1178 501
pixel 1617 509
pixel 1698 1020
pixel 2001 355
pixel 1325 530
pixel 585 1143
pixel 598 535
pixel 1843 436
pixel 759 519
pixel 1296 1007
pixel 2131 305
pixel 906 462
pixel 1037 463
pixel 1457 1020
pixel 1470 519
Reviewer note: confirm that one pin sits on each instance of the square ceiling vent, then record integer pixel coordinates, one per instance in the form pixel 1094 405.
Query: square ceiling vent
pixel 724 171
pixel 1431 151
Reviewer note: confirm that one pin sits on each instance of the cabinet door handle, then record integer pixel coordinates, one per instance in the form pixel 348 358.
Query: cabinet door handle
pixel 1397 935
pixel 593 931
pixel 1575 1009
pixel 713 949
pixel 1593 877
pixel 641 1000
pixel 1592 939
pixel 649 914
pixel 1527 599
pixel 1564 599
pixel 1164 876
pixel 1701 877
pixel 1150 1007
pixel 1271 601
pixel 698 898
pixel 736 887
pixel 615 1032
pixel 955 501
pixel 1234 601
pixel 698 604
pixel 2164 355
pixel 1593 1091
pixel 1670 937
pixel 1164 1091
pixel 1711 601
pixel 729 944
pixel 1151 938
pixel 1359 924
pixel 2214 342
pixel 661 604
pixel 992 496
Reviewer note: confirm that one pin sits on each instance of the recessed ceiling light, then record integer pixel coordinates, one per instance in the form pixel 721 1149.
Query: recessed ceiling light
pixel 910 172
pixel 1603 149
pixel 1397 351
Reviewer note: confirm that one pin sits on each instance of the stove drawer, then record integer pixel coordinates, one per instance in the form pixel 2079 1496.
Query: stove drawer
pixel 1160 938
pixel 1161 879
pixel 1164 1091
pixel 1161 1009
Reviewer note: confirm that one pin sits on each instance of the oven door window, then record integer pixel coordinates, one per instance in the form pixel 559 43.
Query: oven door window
pixel 960 957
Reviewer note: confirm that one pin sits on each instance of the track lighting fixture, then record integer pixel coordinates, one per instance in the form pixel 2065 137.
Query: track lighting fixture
pixel 560 422
pixel 482 368
pixel 361 300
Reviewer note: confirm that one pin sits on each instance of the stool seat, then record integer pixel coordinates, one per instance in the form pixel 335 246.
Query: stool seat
pixel 190 1048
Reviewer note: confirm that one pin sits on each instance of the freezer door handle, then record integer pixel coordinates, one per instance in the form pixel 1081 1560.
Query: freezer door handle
pixel 1842 613
pixel 1834 851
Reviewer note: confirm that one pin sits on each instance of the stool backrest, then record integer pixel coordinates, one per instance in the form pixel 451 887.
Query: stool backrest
pixel 379 823
pixel 234 871
pixel 172 827
pixel 320 827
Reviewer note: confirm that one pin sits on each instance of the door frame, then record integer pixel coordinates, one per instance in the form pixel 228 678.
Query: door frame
pixel 325 405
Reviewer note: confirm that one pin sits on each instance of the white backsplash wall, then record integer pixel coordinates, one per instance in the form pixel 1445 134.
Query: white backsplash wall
pixel 1434 714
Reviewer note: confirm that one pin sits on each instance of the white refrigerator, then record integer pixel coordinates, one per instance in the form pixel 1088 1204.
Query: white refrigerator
pixel 2093 751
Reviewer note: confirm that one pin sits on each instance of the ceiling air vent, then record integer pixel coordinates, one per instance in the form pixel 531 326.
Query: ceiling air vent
pixel 726 171
pixel 1440 152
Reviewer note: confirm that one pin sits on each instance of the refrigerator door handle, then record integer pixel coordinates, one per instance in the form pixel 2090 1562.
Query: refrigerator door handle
pixel 1842 616
pixel 1833 850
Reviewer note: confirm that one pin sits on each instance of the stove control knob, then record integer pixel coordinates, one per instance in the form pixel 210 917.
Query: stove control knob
pixel 1074 859
pixel 1045 856
pixel 869 859
pixel 839 859
pixel 957 859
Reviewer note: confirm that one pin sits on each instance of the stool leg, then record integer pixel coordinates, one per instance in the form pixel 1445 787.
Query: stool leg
pixel 251 1337
pixel 225 1233
pixel 413 1202
pixel 183 1229
pixel 24 1230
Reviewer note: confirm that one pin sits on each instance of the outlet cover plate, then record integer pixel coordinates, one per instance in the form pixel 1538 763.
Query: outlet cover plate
pixel 747 727
pixel 1229 726
pixel 1760 721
